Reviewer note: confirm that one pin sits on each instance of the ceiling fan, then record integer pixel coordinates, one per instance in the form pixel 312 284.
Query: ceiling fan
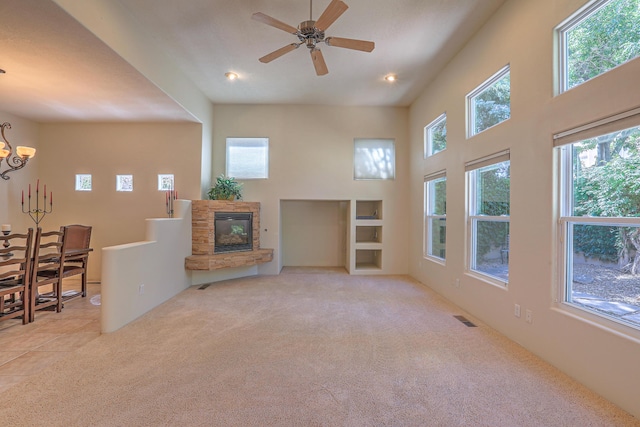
pixel 311 33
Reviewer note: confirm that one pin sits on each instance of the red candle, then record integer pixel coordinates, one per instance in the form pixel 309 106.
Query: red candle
pixel 176 195
pixel 29 190
pixel 51 198
pixel 45 191
pixel 37 185
pixel 23 197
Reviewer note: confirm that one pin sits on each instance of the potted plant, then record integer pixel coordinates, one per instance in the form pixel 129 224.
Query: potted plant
pixel 225 188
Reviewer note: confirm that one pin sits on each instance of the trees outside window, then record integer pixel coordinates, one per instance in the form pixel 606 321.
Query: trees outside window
pixel 489 189
pixel 601 224
pixel 598 38
pixel 435 136
pixel 490 103
pixel 435 187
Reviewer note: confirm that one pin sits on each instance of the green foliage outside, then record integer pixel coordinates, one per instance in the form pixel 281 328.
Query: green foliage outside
pixel 606 39
pixel 493 189
pixel 493 105
pixel 439 188
pixel 610 187
pixel 438 134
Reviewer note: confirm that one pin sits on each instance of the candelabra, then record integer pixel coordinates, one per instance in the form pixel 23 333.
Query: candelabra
pixel 37 214
pixel 171 196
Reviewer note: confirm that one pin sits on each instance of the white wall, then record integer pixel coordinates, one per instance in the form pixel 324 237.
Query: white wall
pixel 314 233
pixel 140 276
pixel 105 150
pixel 521 34
pixel 311 158
pixel 22 132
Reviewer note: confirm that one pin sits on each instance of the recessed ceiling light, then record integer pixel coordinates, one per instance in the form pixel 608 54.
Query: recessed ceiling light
pixel 391 77
pixel 231 76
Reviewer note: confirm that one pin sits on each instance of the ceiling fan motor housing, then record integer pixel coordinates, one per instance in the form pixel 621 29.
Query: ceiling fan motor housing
pixel 309 34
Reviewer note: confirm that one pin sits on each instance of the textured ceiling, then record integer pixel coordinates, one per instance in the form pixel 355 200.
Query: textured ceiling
pixel 58 70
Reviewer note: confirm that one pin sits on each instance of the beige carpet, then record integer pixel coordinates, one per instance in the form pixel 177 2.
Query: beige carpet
pixel 305 350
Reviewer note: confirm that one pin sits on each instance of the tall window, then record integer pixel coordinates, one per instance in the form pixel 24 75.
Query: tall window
pixel 490 103
pixel 435 187
pixel 248 158
pixel 600 220
pixel 596 39
pixel 489 182
pixel 435 136
pixel 374 159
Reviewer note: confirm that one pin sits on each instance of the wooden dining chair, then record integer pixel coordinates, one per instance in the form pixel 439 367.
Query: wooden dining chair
pixel 48 262
pixel 15 269
pixel 77 249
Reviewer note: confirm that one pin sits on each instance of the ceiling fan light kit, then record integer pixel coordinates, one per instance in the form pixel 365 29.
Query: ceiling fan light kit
pixel 311 33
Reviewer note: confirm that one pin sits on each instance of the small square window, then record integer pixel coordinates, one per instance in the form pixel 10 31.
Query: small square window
pixel 490 103
pixel 165 182
pixel 124 182
pixel 374 159
pixel 83 182
pixel 248 158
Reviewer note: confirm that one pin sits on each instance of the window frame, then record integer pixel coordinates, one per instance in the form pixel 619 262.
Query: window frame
pixel 79 177
pixel 119 183
pixel 429 216
pixel 428 135
pixel 392 142
pixel 161 177
pixel 262 142
pixel 582 14
pixel 473 217
pixel 470 100
pixel 563 152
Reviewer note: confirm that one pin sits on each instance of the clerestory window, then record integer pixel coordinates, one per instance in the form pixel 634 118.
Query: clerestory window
pixel 597 38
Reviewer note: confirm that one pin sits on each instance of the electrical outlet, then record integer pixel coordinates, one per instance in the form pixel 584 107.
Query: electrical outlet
pixel 528 316
pixel 141 289
pixel 516 310
pixel 457 283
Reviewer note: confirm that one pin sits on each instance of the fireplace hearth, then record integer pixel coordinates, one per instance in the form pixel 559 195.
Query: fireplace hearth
pixel 233 231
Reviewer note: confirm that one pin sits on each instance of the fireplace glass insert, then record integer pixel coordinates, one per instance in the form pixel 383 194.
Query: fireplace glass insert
pixel 233 231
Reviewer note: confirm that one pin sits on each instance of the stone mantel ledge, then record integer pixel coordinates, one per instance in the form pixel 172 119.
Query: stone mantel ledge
pixel 203 252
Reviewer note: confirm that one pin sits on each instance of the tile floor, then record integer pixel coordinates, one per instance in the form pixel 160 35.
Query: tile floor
pixel 26 350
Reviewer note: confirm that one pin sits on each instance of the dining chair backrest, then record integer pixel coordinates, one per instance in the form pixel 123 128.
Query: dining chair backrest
pixel 77 247
pixel 15 269
pixel 78 236
pixel 48 263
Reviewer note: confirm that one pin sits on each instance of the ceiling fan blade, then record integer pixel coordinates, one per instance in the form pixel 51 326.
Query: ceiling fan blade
pixel 330 14
pixel 266 19
pixel 354 44
pixel 318 62
pixel 278 53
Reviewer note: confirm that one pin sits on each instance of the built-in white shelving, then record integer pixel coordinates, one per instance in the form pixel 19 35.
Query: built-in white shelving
pixel 366 237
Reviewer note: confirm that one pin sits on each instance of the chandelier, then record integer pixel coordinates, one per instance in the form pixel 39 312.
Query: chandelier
pixel 16 160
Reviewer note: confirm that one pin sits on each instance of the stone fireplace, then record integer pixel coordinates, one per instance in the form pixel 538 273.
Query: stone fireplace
pixel 235 226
